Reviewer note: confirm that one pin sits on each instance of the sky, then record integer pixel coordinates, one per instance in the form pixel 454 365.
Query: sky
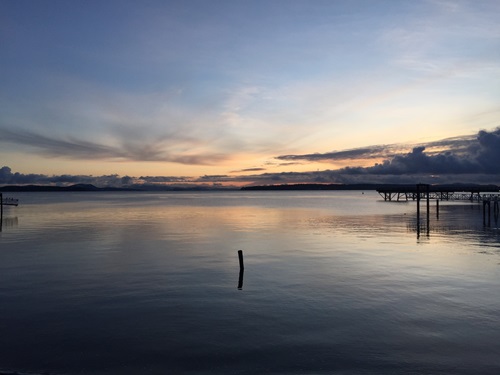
pixel 249 92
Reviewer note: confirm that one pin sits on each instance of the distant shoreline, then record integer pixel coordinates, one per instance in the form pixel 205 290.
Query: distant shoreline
pixel 283 187
pixel 315 187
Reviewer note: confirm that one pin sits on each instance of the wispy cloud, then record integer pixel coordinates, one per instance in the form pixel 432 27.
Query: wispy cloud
pixel 129 150
pixel 258 169
pixel 371 152
pixel 418 43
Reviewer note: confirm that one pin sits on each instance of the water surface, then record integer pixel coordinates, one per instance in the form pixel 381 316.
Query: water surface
pixel 334 283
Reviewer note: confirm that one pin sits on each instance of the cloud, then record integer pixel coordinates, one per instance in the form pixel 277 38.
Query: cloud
pixel 356 153
pixel 416 162
pixel 213 178
pixel 477 156
pixel 457 145
pixel 129 150
pixel 417 43
pixel 249 170
pixel 9 178
pixel 164 179
pixel 468 159
pixel 488 152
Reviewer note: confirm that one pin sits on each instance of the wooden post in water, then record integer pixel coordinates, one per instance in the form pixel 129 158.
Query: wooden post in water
pixel 240 279
pixel 242 269
pixel 437 209
pixel 240 257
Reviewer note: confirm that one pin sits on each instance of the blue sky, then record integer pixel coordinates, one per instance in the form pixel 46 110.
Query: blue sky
pixel 242 91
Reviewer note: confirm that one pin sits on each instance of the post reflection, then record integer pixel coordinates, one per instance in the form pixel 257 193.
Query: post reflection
pixel 240 279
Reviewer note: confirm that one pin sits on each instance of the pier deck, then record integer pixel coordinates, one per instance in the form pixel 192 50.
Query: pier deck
pixel 447 193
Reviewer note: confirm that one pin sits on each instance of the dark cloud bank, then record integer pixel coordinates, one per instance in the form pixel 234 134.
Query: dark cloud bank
pixel 467 160
pixel 9 178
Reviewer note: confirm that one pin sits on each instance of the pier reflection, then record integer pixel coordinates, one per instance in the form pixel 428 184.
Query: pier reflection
pixel 467 222
pixel 8 222
pixel 487 212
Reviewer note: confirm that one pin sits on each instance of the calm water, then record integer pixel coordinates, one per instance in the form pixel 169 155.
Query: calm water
pixel 334 283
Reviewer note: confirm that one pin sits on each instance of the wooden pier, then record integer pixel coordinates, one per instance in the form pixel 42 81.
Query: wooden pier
pixel 439 192
pixel 489 195
pixel 9 201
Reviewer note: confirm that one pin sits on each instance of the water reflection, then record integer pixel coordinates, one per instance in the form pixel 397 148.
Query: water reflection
pixel 240 279
pixel 457 223
pixel 487 212
pixel 463 223
pixel 113 286
pixel 8 222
